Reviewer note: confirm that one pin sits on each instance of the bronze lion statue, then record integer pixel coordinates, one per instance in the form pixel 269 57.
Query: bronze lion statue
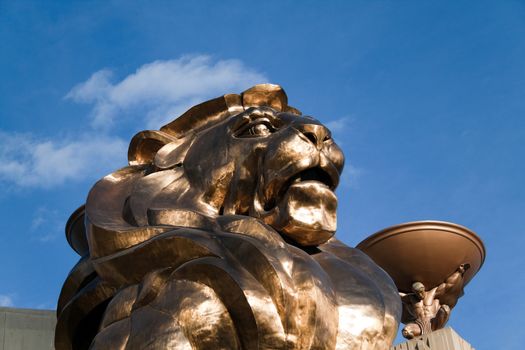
pixel 219 235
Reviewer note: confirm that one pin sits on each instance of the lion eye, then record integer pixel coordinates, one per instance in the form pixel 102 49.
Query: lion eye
pixel 258 128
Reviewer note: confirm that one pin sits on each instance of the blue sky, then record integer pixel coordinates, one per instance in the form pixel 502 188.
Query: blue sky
pixel 426 99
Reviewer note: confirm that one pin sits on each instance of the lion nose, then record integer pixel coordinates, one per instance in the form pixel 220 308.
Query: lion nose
pixel 316 133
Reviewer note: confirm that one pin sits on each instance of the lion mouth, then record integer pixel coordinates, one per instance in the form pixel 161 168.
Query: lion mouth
pixel 304 207
pixel 313 174
pixel 299 201
pixel 316 175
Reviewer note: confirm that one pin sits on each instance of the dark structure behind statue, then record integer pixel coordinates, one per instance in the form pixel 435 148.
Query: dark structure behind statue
pixel 219 235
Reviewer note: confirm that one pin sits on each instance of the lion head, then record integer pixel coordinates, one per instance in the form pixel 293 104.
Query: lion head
pixel 246 154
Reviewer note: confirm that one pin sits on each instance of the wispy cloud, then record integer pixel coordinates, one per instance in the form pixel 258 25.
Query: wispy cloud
pixel 351 175
pixel 47 224
pixel 340 128
pixel 160 91
pixel 163 89
pixel 30 162
pixel 6 300
pixel 45 306
pixel 340 125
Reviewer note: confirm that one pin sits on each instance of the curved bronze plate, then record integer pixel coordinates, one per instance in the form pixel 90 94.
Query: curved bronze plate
pixel 76 232
pixel 424 251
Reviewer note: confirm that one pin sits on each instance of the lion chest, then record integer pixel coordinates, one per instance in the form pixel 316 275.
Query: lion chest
pixel 256 295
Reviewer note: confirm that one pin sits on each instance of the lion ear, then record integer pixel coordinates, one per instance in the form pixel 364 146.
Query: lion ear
pixel 204 114
pixel 270 95
pixel 173 153
pixel 145 145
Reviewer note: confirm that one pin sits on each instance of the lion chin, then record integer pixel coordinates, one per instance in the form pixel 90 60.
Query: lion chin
pixel 306 213
pixel 219 235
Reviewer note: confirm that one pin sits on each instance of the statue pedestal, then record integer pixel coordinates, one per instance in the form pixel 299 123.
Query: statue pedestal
pixel 443 339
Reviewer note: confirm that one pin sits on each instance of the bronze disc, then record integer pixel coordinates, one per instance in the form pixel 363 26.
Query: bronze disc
pixel 424 251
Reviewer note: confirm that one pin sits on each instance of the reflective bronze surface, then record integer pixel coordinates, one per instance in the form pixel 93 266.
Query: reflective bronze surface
pixel 430 262
pixel 219 235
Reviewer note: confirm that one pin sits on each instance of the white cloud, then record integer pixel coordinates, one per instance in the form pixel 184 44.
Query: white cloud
pixel 351 175
pixel 340 129
pixel 336 125
pixel 29 162
pixel 47 224
pixel 45 306
pixel 6 300
pixel 160 91
pixel 340 125
pixel 163 89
